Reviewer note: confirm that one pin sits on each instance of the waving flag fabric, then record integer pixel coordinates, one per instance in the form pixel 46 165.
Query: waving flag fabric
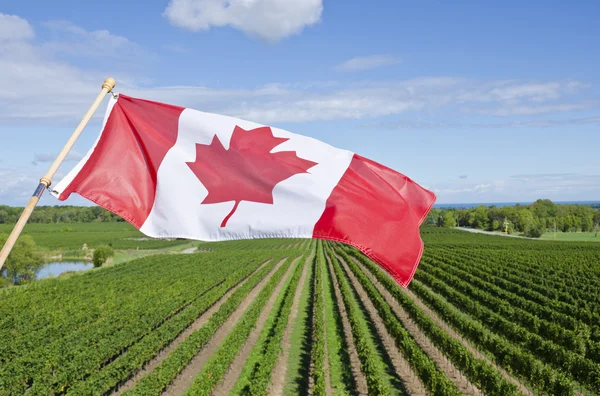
pixel 175 172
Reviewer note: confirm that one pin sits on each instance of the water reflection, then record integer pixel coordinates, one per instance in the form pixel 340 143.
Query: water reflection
pixel 54 269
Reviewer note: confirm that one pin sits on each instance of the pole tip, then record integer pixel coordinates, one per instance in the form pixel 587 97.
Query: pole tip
pixel 109 84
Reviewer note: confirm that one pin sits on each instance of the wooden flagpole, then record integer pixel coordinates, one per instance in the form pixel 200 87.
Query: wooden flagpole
pixel 46 181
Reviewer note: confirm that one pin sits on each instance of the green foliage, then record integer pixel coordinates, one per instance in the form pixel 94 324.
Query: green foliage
pixel 340 371
pixel 531 304
pixel 50 325
pixel 120 235
pixel 140 353
pixel 447 219
pixel 23 262
pixel 220 361
pixel 101 254
pixel 158 380
pixel 435 381
pixel 266 353
pixel 370 361
pixel 534 229
pixel 479 372
pixel 532 220
pixel 318 338
pixel 59 214
pixel 508 355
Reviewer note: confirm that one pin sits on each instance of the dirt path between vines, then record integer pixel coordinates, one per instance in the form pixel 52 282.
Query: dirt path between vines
pixel 522 388
pixel 279 374
pixel 411 381
pixel 186 377
pixel 441 361
pixel 359 377
pixel 235 369
pixel 198 323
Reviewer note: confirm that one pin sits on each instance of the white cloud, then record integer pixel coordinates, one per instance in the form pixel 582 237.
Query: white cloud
pixel 557 187
pixel 411 124
pixel 18 184
pixel 534 92
pixel 31 70
pixel 73 40
pixel 13 27
pixel 39 86
pixel 275 103
pixel 537 109
pixel 45 157
pixel 270 20
pixel 367 63
pixel 518 98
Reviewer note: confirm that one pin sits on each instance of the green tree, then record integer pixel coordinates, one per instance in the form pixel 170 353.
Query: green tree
pixel 101 254
pixel 525 220
pixel 478 218
pixel 495 225
pixel 587 224
pixel 448 219
pixel 511 228
pixel 434 214
pixel 23 262
pixel 535 229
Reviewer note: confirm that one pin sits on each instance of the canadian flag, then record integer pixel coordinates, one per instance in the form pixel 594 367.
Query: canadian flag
pixel 175 172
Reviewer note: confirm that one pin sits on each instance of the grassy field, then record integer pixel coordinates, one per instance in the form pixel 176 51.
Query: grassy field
pixel 484 315
pixel 573 236
pixel 73 236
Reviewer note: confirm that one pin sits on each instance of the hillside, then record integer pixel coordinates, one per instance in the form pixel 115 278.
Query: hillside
pixel 484 315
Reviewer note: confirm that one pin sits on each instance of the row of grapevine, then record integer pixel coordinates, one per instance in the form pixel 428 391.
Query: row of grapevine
pixel 568 281
pixel 318 338
pixel 218 364
pixel 112 331
pixel 579 368
pixel 479 372
pixel 139 354
pixel 340 372
pixel 159 379
pixel 568 306
pixel 371 363
pixel 435 381
pixel 264 356
pixel 510 357
pixel 512 308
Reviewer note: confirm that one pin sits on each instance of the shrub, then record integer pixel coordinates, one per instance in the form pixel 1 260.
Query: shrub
pixel 101 254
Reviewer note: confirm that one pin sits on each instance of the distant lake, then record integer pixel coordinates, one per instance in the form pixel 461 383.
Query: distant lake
pixel 501 204
pixel 57 268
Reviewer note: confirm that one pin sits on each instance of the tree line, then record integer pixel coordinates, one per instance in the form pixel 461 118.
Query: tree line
pixel 532 220
pixel 59 214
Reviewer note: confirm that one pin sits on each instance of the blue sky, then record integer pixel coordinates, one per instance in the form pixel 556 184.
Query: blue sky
pixel 477 101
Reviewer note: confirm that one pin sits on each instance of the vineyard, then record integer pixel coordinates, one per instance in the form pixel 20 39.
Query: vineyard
pixel 484 315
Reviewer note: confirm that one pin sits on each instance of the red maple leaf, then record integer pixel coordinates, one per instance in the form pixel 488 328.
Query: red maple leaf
pixel 248 171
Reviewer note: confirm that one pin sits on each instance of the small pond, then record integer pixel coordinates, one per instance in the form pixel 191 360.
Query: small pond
pixel 54 269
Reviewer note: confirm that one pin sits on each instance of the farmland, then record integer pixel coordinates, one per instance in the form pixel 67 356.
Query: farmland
pixel 72 236
pixel 484 315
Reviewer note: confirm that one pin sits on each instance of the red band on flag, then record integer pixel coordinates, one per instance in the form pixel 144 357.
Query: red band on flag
pixel 120 175
pixel 379 211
